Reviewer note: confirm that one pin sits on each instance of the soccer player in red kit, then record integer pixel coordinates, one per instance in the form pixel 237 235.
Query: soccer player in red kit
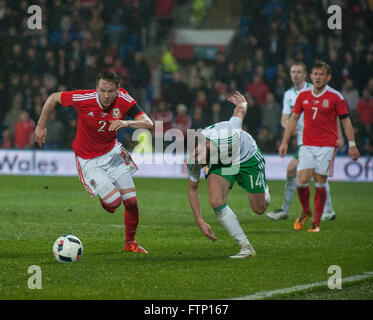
pixel 105 167
pixel 321 106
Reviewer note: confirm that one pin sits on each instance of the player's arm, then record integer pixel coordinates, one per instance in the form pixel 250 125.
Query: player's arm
pixel 284 119
pixel 290 127
pixel 353 152
pixel 286 110
pixel 340 141
pixel 141 121
pixel 241 105
pixel 194 202
pixel 40 131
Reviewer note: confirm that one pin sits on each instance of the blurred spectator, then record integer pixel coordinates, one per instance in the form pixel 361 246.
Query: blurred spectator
pixel 169 63
pixel 335 61
pixel 11 117
pixel 56 133
pixel 258 89
pixel 122 71
pixel 198 12
pixel 197 71
pixel 6 141
pixel 140 77
pixel 253 119
pixel 111 54
pixel 365 109
pixel 271 114
pixel 182 120
pixel 220 68
pixel 349 67
pixel 265 141
pixel 370 86
pixel 351 95
pixel 23 131
pixel 90 72
pixel 70 133
pixel 163 113
pixel 216 112
pixel 96 26
pixel 198 119
pixel 201 101
pixel 177 92
pixel 246 74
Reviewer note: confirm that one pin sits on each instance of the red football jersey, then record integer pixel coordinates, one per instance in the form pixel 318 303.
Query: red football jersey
pixel 320 116
pixel 92 137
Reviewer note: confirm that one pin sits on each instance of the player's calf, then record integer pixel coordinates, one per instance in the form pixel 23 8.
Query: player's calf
pixel 131 215
pixel 258 202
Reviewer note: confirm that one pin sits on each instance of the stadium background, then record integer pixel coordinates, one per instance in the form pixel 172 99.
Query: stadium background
pixel 185 90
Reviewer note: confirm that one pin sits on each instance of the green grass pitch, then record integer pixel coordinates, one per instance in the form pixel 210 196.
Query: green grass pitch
pixel 182 263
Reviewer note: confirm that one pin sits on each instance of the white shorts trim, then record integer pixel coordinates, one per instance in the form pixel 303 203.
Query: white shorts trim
pixel 319 158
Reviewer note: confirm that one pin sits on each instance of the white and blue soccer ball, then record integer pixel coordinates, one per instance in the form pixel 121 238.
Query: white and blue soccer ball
pixel 68 248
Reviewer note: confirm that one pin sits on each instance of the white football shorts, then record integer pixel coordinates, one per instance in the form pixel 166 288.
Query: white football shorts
pixel 101 174
pixel 319 158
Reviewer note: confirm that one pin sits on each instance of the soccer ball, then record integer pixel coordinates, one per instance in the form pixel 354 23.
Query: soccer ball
pixel 68 248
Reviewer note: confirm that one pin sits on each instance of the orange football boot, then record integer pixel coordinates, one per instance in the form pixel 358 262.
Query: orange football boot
pixel 133 246
pixel 300 222
pixel 314 228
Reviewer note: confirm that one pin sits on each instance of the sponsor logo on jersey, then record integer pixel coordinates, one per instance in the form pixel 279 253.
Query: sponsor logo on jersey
pixel 90 114
pixel 306 101
pixel 116 113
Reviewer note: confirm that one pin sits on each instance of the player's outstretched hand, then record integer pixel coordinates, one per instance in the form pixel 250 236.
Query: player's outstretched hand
pixel 40 135
pixel 207 231
pixel 118 124
pixel 283 149
pixel 353 153
pixel 236 98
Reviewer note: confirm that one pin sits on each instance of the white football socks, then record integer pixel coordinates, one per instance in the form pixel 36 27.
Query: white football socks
pixel 328 204
pixel 228 220
pixel 290 187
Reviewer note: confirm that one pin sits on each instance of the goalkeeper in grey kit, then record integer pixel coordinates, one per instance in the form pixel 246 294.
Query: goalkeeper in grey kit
pixel 231 155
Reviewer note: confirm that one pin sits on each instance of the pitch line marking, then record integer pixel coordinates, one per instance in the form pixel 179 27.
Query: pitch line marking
pixel 269 294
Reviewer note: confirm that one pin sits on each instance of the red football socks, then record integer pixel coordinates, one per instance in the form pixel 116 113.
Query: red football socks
pixel 304 198
pixel 320 199
pixel 131 218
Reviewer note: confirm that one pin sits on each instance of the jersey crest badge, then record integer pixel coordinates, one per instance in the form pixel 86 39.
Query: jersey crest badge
pixel 325 103
pixel 116 113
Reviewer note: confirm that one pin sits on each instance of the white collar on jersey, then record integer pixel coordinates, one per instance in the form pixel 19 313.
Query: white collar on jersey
pixel 321 93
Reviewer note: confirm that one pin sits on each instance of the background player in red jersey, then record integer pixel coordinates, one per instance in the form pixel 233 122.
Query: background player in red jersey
pixel 321 105
pixel 105 167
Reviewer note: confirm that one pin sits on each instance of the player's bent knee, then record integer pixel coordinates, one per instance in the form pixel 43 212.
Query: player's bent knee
pixel 259 209
pixel 114 201
pixel 216 202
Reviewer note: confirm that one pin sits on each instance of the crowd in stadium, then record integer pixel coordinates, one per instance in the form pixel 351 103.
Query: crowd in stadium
pixel 81 38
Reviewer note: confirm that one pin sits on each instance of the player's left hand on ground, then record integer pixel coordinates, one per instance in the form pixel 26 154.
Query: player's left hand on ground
pixel 118 124
pixel 236 98
pixel 353 153
pixel 207 231
pixel 40 135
